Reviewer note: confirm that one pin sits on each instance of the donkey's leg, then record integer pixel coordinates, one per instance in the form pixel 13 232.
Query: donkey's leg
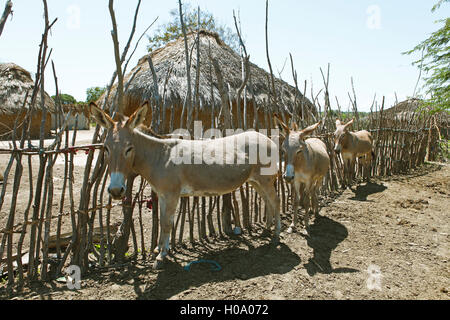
pixel 274 203
pixel 255 184
pixel 314 196
pixel 168 206
pixel 264 185
pixel 351 172
pixel 345 179
pixel 368 165
pixel 307 203
pixel 296 192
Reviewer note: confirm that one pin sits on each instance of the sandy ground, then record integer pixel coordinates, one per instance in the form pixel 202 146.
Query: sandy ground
pixel 388 239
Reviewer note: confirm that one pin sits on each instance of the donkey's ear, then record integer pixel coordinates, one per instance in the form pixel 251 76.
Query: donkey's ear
pixel 100 116
pixel 138 117
pixel 307 131
pixel 349 124
pixel 338 122
pixel 281 123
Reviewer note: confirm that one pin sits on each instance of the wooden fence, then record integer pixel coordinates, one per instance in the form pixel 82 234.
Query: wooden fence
pixel 52 223
pixel 55 214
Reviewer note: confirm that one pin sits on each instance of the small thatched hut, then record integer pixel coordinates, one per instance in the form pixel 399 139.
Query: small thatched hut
pixel 79 110
pixel 170 68
pixel 15 82
pixel 404 110
pixel 413 109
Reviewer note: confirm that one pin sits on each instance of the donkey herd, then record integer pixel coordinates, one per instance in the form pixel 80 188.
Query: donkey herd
pixel 130 152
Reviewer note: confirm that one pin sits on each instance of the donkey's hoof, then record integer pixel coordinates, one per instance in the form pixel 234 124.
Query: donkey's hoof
pixel 266 233
pixel 158 264
pixel 291 230
pixel 305 232
pixel 276 240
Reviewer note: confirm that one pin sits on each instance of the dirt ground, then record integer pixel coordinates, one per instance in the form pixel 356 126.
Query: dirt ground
pixel 388 239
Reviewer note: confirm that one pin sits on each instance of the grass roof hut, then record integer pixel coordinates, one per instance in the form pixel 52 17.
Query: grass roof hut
pixel 15 82
pixel 79 116
pixel 170 69
pixel 404 110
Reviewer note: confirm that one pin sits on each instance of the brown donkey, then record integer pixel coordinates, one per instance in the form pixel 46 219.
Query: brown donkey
pixel 180 168
pixel 307 162
pixel 352 145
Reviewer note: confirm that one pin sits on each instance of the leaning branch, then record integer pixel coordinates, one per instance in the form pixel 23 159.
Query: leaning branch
pixel 268 58
pixel 6 13
pixel 117 57
pixel 188 105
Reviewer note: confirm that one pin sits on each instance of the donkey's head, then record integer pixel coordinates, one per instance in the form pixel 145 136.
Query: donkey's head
pixel 341 135
pixel 294 146
pixel 119 147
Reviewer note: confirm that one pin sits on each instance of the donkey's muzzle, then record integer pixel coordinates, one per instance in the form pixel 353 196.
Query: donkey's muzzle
pixel 117 186
pixel 288 178
pixel 289 173
pixel 117 193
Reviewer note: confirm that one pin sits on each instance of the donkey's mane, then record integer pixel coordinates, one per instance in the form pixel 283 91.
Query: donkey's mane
pixel 149 131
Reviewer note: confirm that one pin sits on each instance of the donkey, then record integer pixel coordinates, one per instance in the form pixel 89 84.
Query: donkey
pixel 129 151
pixel 353 145
pixel 307 162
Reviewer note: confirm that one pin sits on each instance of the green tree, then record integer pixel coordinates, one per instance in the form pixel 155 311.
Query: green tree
pixel 435 62
pixel 172 30
pixel 94 93
pixel 66 99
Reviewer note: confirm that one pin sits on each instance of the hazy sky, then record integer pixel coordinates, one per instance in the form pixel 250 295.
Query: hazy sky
pixel 360 39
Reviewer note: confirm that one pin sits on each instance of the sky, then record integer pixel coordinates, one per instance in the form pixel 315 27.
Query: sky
pixel 360 39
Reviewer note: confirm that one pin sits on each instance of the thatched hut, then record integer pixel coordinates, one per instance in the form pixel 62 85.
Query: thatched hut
pixel 79 116
pixel 170 68
pixel 403 111
pixel 15 82
pixel 413 109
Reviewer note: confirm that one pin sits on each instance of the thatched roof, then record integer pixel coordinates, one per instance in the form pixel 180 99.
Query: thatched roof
pixel 409 105
pixel 413 108
pixel 170 65
pixel 14 84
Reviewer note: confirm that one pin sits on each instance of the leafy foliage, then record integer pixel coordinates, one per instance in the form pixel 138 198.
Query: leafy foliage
pixel 94 93
pixel 435 62
pixel 172 30
pixel 66 99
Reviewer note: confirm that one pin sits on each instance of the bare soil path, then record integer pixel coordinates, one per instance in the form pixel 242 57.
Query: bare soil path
pixel 388 239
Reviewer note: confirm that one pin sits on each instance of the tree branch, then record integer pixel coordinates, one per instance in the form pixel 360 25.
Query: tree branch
pixel 117 58
pixel 6 12
pixel 188 104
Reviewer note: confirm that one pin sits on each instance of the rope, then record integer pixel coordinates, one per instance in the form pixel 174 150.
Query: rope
pixel 68 150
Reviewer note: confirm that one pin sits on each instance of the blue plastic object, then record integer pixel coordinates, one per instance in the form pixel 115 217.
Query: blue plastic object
pixel 215 266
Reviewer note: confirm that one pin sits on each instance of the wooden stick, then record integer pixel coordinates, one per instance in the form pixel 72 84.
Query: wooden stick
pixel 188 73
pixel 6 12
pixel 114 35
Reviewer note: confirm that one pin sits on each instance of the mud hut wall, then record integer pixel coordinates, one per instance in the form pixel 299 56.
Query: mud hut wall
pixel 7 124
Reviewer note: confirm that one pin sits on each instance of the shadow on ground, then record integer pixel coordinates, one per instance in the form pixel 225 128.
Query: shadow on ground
pixel 363 191
pixel 236 263
pixel 324 236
